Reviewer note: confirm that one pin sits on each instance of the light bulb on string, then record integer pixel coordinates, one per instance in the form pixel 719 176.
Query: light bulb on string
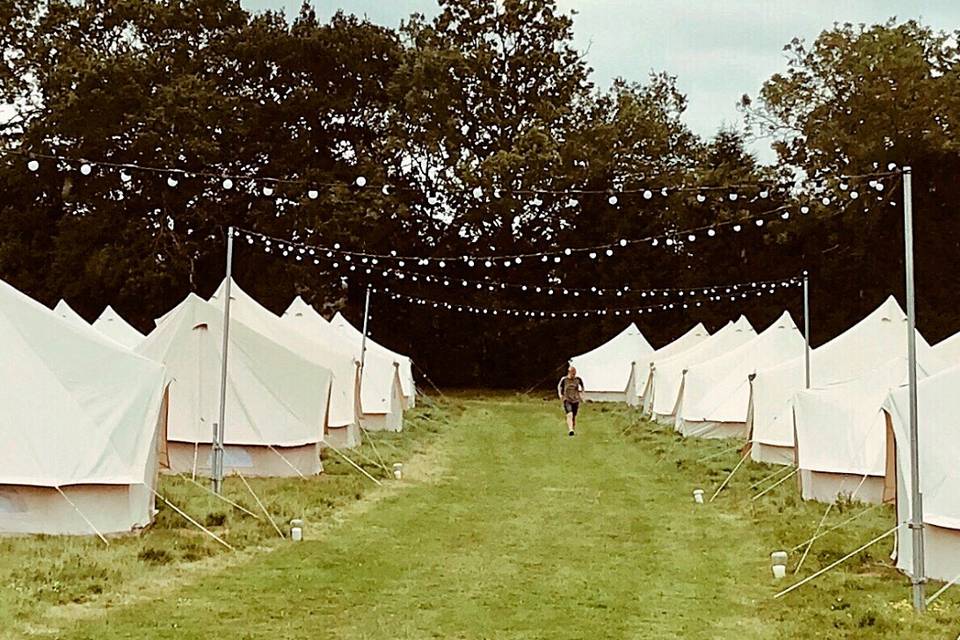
pixel 593 255
pixel 171 181
pixel 361 181
pixel 664 192
pixel 227 183
pixel 785 215
pixel 691 237
pixel 612 200
pixel 477 193
pixel 33 165
pixel 711 232
pixel 609 252
pixel 804 209
pixel 854 195
pixel 844 186
pixel 385 190
pixel 567 251
pixel 267 190
pixel 701 198
pixel 878 186
pixel 655 242
pixel 86 169
pixel 825 201
pixel 623 242
pixel 647 194
pixel 764 194
pixel 313 194
pixel 759 222
pixel 733 197
pixel 737 228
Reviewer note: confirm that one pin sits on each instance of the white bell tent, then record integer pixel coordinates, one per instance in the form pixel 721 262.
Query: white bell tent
pixel 355 336
pixel 667 375
pixel 715 394
pixel 381 394
pixel 111 324
pixel 690 339
pixel 343 421
pixel 949 349
pixel 277 400
pixel 938 438
pixel 880 336
pixel 842 436
pixel 66 312
pixel 610 371
pixel 81 426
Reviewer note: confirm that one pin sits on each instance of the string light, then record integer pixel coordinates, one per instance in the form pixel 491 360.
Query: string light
pixel 732 295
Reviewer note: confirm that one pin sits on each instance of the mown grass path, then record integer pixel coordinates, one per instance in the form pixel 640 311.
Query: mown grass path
pixel 525 533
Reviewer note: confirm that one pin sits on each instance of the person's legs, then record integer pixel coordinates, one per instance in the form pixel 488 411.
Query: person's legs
pixel 570 411
pixel 573 415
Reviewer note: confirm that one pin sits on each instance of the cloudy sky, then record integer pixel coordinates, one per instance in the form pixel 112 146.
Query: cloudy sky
pixel 718 49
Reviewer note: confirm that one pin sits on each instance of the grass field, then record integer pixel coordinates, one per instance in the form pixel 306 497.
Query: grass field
pixel 503 528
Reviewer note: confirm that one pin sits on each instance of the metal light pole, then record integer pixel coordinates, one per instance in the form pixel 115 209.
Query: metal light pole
pixel 363 340
pixel 806 327
pixel 218 443
pixel 916 499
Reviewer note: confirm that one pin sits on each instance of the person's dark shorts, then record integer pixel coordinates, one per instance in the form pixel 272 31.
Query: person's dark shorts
pixel 571 407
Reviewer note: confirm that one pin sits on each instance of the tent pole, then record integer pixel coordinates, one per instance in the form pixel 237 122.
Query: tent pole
pixel 918 577
pixel 806 326
pixel 363 340
pixel 218 450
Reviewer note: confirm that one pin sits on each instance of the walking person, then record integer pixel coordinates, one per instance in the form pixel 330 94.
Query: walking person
pixel 570 390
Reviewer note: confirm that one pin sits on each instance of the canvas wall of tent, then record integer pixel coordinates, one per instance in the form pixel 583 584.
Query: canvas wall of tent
pixel 405 363
pixel 938 429
pixel 343 419
pixel 688 340
pixel 277 400
pixel 667 375
pixel 841 436
pixel 877 338
pixel 82 427
pixel 715 394
pixel 381 391
pixel 610 371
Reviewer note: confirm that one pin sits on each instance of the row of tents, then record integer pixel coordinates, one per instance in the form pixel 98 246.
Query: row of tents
pixel 846 433
pixel 94 412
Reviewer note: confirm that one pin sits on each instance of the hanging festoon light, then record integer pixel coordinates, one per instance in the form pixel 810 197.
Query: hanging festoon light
pixel 612 199
pixel 86 169
pixel 733 196
pixel 172 181
pixel 125 177
pixel 313 194
pixel 33 164
pixel 764 194
pixel 647 194
pixel 477 193
pixel 227 184
pixel 361 181
pixel 267 190
pixel 701 198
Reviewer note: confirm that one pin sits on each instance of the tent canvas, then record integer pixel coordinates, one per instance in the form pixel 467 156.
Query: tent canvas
pixel 405 363
pixel 66 312
pixel 668 374
pixel 609 371
pixel 344 415
pixel 715 394
pixel 111 324
pixel 381 394
pixel 949 349
pixel 690 339
pixel 81 414
pixel 277 400
pixel 841 433
pixel 877 338
pixel 938 405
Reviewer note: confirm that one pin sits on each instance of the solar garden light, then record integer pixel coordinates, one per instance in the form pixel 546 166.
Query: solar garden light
pixel 778 560
pixel 398 470
pixel 698 496
pixel 296 530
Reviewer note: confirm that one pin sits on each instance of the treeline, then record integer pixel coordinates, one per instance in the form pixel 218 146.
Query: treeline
pixel 483 122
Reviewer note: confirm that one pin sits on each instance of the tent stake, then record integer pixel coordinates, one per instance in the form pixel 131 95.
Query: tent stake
pixel 354 464
pixel 776 484
pixel 768 476
pixel 221 497
pixel 260 504
pixel 810 544
pixel 727 479
pixel 918 576
pixel 85 519
pixel 836 526
pixel 192 521
pixel 837 562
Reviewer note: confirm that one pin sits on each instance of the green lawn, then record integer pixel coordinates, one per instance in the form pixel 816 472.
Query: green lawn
pixel 507 528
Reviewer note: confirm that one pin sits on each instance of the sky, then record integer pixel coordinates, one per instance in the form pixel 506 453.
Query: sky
pixel 717 49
